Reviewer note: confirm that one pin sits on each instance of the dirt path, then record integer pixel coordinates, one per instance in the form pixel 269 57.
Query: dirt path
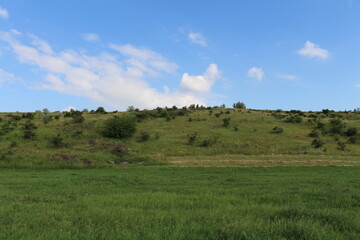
pixel 263 163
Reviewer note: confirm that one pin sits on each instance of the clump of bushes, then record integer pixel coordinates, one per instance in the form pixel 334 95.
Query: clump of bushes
pixel 119 127
pixel 341 146
pixel 277 130
pixel 191 138
pixel 226 122
pixel 314 134
pixel 317 143
pixel 77 117
pixel 28 129
pixel 294 118
pixel 57 141
pixel 144 136
pixel 207 142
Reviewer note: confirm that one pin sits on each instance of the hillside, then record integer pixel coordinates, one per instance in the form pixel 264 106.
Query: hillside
pixel 191 136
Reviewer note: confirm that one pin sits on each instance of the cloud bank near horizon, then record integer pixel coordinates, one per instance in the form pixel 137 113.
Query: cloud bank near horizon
pixel 117 77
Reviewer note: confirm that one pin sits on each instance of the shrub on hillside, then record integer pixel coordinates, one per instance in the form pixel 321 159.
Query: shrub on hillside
pixel 293 119
pixel 336 126
pixel 277 130
pixel 29 128
pixel 314 134
pixel 77 117
pixel 144 136
pixel 341 146
pixel 317 143
pixel 192 138
pixel 56 142
pixel 351 132
pixel 226 122
pixel 119 127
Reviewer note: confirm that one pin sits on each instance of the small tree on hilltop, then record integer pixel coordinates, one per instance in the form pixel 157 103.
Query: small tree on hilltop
pixel 240 105
pixel 100 110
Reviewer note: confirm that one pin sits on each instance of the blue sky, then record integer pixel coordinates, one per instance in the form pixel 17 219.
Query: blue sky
pixel 275 54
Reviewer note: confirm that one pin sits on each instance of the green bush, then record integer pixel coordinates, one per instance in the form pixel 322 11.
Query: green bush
pixel 56 142
pixel 144 136
pixel 191 138
pixel 277 130
pixel 317 143
pixel 226 122
pixel 314 134
pixel 341 146
pixel 119 127
pixel 351 132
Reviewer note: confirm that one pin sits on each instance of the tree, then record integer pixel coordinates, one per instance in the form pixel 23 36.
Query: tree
pixel 240 105
pixel 100 110
pixel 119 127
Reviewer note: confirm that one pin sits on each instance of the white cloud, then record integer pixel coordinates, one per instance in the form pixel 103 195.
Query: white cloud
pixel 42 45
pixel 357 85
pixel 197 38
pixel 4 13
pixel 256 73
pixel 6 77
pixel 201 83
pixel 145 59
pixel 312 50
pixel 107 78
pixel 91 37
pixel 288 76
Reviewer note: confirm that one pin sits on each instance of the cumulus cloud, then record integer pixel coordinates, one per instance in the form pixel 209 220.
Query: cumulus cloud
pixel 256 73
pixel 312 50
pixel 91 37
pixel 4 13
pixel 201 83
pixel 197 38
pixel 288 76
pixel 108 78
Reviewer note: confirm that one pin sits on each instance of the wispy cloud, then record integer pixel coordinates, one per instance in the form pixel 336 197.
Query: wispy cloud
pixel 256 73
pixel 4 13
pixel 145 59
pixel 197 38
pixel 91 37
pixel 288 76
pixel 6 76
pixel 312 50
pixel 108 78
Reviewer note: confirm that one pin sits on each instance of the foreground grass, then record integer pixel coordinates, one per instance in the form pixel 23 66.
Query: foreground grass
pixel 181 203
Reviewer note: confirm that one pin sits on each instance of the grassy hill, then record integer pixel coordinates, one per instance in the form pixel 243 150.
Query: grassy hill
pixel 213 136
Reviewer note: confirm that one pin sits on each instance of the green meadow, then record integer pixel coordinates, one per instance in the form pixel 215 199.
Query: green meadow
pixel 194 173
pixel 181 203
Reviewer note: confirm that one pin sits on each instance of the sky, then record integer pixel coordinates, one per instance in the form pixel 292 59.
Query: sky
pixel 276 54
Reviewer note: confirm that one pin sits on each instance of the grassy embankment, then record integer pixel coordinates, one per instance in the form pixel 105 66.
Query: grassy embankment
pixel 164 139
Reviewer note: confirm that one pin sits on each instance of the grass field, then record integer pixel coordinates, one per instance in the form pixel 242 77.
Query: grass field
pixel 181 203
pixel 185 174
